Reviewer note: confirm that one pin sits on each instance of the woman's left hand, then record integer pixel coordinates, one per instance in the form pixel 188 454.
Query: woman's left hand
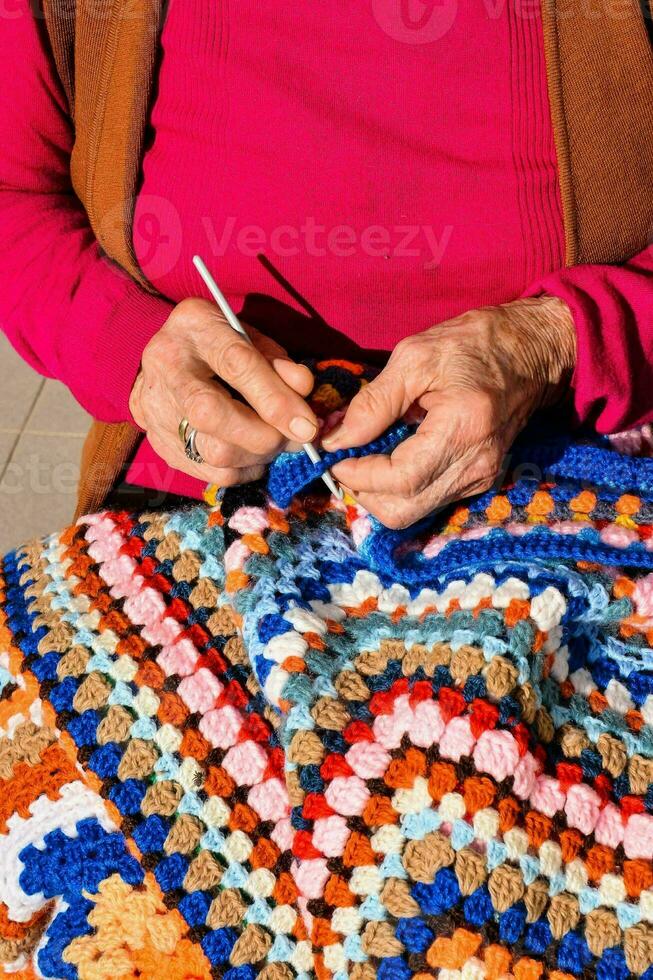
pixel 477 378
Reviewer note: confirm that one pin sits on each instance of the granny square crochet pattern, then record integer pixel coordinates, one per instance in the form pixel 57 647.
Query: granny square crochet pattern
pixel 266 737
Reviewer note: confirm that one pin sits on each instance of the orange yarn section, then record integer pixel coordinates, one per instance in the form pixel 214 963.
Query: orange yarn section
pixel 18 930
pixel 135 934
pixel 29 782
pixel 452 954
pixel 25 974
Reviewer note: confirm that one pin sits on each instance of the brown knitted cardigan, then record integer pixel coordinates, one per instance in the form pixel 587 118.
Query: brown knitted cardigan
pixel 600 75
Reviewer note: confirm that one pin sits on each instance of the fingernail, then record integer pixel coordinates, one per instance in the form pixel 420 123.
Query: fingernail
pixel 303 429
pixel 332 438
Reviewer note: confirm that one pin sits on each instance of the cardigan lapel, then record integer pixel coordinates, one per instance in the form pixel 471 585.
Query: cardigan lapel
pixel 600 71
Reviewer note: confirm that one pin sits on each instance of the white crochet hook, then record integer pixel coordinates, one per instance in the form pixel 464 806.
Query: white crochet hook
pixel 236 325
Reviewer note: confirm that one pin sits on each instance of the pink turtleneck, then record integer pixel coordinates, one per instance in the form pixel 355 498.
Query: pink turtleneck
pixel 393 172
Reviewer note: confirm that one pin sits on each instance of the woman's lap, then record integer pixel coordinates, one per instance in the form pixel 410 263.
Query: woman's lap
pixel 261 741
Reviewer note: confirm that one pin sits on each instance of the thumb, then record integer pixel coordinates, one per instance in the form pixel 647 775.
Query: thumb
pixel 371 411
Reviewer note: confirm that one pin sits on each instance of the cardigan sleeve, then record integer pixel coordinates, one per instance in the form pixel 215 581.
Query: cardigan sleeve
pixel 65 308
pixel 612 307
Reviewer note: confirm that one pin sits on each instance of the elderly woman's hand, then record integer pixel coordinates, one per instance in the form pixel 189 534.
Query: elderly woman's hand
pixel 178 380
pixel 478 378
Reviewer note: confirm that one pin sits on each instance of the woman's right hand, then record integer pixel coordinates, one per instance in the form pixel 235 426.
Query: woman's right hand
pixel 178 380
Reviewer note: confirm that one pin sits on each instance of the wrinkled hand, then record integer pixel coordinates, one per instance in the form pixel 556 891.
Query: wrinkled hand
pixel 478 378
pixel 177 380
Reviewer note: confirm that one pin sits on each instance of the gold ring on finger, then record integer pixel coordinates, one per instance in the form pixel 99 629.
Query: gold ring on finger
pixel 182 430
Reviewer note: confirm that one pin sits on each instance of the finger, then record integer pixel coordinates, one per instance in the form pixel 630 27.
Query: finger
pixel 400 512
pixel 235 476
pixel 135 407
pixel 459 430
pixel 212 411
pixel 462 479
pixel 404 473
pixel 415 463
pixel 223 476
pixel 246 369
pixel 298 376
pixel 220 453
pixel 371 411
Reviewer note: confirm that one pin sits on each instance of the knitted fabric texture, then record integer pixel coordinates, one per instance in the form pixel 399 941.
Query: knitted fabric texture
pixel 268 738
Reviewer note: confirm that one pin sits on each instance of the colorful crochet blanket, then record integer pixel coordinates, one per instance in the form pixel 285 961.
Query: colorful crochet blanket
pixel 266 737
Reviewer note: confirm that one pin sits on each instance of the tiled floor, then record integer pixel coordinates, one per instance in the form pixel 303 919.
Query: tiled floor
pixel 41 434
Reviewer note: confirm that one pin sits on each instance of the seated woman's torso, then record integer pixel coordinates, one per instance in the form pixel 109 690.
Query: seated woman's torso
pixel 395 172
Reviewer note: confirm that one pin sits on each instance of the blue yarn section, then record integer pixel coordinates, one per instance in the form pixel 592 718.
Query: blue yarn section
pixel 556 457
pixel 218 945
pixel 67 867
pixel 540 544
pixel 20 620
pixel 62 930
pixel 593 463
pixel 291 472
pixel 64 866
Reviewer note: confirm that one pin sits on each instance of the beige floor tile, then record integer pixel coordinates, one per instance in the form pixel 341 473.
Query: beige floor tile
pixel 7 442
pixel 19 386
pixel 56 411
pixel 37 491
